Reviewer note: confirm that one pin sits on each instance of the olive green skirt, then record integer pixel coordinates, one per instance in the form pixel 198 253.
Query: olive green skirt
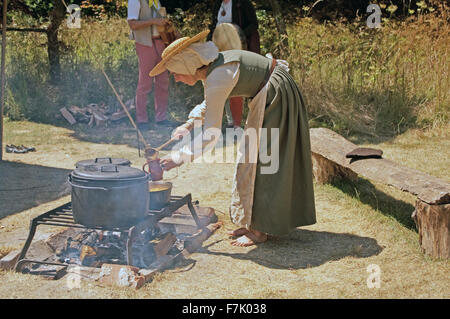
pixel 285 200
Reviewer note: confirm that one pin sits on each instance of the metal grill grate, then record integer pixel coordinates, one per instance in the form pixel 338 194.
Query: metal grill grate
pixel 62 216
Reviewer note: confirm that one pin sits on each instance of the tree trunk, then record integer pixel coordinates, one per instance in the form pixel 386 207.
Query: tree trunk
pixel 281 27
pixel 56 18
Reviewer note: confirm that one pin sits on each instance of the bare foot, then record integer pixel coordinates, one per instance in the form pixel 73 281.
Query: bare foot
pixel 252 237
pixel 238 232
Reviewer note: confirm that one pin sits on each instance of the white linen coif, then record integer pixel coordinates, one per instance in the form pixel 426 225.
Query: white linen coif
pixel 192 58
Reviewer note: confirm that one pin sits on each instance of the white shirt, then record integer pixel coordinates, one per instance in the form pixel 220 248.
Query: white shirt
pixel 134 6
pixel 217 87
pixel 133 9
pixel 227 18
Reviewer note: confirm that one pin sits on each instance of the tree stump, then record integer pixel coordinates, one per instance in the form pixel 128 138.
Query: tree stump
pixel 433 224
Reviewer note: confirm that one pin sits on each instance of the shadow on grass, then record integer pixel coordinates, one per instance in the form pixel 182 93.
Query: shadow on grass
pixel 368 194
pixel 305 249
pixel 123 133
pixel 23 186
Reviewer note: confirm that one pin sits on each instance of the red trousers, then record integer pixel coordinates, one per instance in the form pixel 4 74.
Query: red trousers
pixel 148 57
pixel 236 107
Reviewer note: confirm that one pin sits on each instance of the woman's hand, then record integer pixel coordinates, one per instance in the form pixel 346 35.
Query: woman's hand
pixel 180 132
pixel 167 164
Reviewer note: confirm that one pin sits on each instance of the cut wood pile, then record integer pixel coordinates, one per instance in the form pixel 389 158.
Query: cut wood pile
pixel 96 114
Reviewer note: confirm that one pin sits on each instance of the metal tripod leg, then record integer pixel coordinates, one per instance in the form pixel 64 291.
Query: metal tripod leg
pixel 193 212
pixel 33 226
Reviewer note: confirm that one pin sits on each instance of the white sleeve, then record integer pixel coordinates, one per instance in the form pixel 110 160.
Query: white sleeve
pixel 197 114
pixel 218 86
pixel 133 9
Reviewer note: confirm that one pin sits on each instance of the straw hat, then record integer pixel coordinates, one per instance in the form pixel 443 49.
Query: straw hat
pixel 174 48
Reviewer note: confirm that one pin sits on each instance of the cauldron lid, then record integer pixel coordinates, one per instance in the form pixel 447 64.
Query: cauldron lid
pixel 103 161
pixel 108 172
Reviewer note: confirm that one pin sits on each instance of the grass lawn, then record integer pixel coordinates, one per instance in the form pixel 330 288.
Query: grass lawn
pixel 359 224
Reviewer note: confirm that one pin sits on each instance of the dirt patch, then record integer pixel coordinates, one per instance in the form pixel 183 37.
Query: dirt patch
pixel 327 260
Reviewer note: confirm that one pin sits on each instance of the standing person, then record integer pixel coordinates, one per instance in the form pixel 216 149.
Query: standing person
pixel 143 19
pixel 243 14
pixel 262 203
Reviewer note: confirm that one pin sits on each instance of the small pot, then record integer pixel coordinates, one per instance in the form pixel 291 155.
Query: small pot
pixel 159 198
pixel 154 169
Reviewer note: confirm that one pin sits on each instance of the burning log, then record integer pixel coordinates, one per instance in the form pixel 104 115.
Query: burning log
pixel 195 241
pixel 163 247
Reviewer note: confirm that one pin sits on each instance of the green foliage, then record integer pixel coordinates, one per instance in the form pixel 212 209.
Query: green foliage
pixel 269 39
pixel 104 8
pixel 39 8
pixel 373 81
pixel 355 79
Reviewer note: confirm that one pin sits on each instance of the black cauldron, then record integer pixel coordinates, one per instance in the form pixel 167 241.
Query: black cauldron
pixel 110 196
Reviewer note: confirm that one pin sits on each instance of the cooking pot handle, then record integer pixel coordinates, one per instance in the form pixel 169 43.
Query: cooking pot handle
pixel 103 158
pixel 69 180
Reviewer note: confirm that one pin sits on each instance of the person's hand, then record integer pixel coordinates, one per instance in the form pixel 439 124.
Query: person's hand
pixel 160 21
pixel 167 163
pixel 180 132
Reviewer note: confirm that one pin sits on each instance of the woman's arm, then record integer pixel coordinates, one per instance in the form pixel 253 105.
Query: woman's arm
pixel 197 115
pixel 218 86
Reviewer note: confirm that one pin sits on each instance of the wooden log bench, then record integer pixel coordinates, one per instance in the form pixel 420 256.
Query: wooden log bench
pixel 432 208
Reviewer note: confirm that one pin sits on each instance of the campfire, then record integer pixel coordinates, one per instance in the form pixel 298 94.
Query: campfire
pixel 99 254
pixel 118 228
pixel 93 248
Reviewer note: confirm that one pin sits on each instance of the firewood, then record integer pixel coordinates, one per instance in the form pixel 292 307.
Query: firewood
pixel 91 121
pixel 68 116
pixel 100 118
pixel 163 247
pixel 118 116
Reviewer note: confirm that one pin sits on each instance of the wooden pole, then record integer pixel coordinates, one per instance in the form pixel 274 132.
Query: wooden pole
pixel 5 5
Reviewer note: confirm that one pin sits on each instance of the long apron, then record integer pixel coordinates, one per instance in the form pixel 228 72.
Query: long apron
pixel 279 202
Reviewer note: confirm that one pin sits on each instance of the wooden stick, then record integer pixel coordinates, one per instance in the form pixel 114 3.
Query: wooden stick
pixel 3 82
pixel 146 145
pixel 175 138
